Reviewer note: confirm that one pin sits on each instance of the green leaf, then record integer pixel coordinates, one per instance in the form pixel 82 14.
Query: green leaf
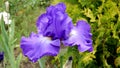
pixel 11 31
pixel 19 58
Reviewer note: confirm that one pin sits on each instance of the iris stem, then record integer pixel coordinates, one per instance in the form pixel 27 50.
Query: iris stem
pixel 61 61
pixel 42 62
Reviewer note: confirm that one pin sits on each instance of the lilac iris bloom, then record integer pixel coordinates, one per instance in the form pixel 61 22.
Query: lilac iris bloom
pixel 54 26
pixel 1 56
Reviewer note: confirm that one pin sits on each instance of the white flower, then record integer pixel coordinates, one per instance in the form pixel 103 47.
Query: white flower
pixel 7 5
pixel 6 17
pixel 8 22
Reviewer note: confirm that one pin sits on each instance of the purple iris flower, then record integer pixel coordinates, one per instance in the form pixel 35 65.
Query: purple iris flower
pixel 1 56
pixel 54 26
pixel 80 35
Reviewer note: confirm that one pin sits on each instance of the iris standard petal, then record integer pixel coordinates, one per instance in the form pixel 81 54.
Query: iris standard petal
pixel 55 22
pixel 42 23
pixel 80 35
pixel 59 7
pixel 60 27
pixel 37 46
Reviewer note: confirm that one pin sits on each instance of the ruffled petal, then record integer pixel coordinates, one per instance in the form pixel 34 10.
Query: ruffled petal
pixel 55 22
pixel 37 46
pixel 59 7
pixel 42 23
pixel 59 28
pixel 80 35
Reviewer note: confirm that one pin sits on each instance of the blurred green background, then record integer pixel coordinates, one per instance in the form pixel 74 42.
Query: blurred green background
pixel 102 15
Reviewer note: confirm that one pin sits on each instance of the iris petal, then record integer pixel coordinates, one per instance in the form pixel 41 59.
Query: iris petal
pixel 37 46
pixel 1 56
pixel 59 28
pixel 80 35
pixel 42 23
pixel 59 7
pixel 55 22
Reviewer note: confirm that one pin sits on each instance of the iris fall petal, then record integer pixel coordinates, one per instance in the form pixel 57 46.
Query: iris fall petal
pixel 37 46
pixel 80 35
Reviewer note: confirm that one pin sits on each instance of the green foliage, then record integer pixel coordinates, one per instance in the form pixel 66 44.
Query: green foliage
pixel 26 12
pixel 7 45
pixel 104 18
